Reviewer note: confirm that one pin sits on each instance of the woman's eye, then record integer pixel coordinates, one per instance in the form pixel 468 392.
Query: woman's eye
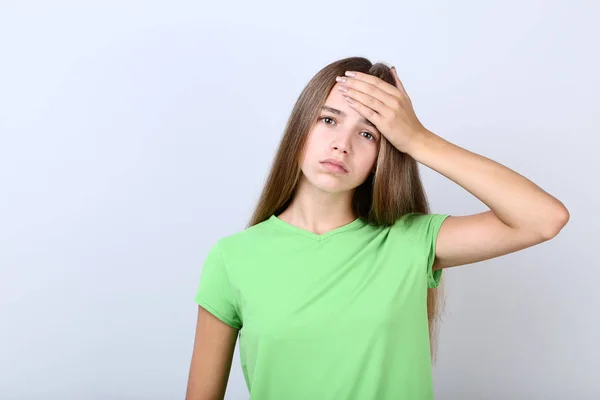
pixel 371 136
pixel 322 118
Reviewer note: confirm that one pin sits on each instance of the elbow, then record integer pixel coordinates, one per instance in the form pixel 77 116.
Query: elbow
pixel 558 222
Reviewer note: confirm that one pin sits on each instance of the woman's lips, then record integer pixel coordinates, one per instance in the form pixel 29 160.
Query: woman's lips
pixel 334 168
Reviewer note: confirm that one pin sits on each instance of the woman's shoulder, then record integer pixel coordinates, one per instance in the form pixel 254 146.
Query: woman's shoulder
pixel 247 236
pixel 418 226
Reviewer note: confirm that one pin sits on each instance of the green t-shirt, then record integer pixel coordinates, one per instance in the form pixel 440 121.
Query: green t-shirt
pixel 336 316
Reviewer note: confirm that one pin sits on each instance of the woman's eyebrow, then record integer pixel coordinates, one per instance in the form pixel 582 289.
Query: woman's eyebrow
pixel 343 114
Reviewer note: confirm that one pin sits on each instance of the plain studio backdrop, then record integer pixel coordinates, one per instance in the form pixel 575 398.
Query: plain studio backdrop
pixel 134 134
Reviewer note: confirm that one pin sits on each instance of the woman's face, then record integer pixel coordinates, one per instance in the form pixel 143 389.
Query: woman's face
pixel 342 134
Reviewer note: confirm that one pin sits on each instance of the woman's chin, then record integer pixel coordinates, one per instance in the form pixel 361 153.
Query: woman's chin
pixel 331 185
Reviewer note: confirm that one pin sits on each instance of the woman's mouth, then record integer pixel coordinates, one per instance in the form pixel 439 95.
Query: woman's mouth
pixel 334 168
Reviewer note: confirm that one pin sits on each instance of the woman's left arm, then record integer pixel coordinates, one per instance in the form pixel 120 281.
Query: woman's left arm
pixel 521 213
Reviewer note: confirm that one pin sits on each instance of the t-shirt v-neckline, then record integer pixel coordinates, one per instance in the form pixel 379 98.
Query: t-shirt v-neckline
pixel 312 235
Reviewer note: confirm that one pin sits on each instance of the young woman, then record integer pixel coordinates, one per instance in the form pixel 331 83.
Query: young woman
pixel 333 287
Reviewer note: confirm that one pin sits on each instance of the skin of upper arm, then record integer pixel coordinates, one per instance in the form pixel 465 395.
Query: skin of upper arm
pixel 214 344
pixel 468 239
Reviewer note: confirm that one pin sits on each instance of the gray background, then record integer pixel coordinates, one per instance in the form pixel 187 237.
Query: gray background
pixel 134 134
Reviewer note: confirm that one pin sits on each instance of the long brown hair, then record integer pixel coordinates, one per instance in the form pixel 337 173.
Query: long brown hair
pixel 393 190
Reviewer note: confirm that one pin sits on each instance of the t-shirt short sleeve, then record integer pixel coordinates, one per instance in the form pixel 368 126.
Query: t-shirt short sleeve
pixel 214 292
pixel 423 230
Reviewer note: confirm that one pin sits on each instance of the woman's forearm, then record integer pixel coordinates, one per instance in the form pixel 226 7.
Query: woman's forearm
pixel 514 199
